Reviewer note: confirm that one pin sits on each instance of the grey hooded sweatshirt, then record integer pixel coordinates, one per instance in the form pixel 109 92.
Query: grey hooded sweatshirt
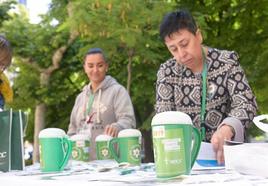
pixel 111 105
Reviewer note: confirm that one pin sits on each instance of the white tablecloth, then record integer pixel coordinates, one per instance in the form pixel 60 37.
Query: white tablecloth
pixel 102 173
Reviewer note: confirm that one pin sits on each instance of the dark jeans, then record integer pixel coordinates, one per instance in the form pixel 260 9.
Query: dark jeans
pixel 2 101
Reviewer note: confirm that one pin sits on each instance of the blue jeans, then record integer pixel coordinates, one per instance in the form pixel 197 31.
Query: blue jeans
pixel 2 101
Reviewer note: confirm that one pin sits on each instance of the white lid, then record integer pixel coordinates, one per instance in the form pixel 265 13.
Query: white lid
pixel 103 137
pixel 79 137
pixel 52 133
pixel 171 117
pixel 129 133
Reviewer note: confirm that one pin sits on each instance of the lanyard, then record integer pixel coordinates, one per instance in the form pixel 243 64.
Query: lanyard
pixel 204 93
pixel 89 104
pixel 86 113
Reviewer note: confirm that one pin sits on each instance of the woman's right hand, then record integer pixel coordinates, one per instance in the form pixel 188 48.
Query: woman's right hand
pixel 111 130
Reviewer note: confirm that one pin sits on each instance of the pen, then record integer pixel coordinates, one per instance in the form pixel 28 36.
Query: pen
pixel 126 171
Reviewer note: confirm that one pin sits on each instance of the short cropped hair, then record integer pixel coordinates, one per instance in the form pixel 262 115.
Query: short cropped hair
pixel 96 51
pixel 176 21
pixel 5 52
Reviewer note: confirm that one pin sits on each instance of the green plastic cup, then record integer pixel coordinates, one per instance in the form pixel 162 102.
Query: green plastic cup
pixel 102 147
pixel 128 145
pixel 176 143
pixel 81 147
pixel 55 149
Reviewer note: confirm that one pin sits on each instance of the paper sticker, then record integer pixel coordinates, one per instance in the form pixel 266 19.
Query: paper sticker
pixel 172 144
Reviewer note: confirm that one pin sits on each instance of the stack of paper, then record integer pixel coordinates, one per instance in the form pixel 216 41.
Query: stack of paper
pixel 247 158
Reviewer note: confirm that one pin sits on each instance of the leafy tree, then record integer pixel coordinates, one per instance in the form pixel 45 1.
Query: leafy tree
pixel 39 50
pixel 4 9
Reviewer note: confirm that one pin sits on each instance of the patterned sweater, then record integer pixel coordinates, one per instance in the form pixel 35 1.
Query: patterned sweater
pixel 229 97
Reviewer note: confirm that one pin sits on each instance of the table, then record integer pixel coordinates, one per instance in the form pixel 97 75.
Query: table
pixel 107 173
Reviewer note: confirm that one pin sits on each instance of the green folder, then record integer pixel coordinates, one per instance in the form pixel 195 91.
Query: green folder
pixel 5 142
pixel 12 125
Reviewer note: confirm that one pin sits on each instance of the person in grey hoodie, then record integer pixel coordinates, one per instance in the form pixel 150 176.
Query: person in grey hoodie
pixel 104 106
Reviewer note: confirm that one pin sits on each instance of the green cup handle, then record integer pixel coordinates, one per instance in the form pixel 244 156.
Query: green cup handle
pixel 112 149
pixel 196 145
pixel 67 151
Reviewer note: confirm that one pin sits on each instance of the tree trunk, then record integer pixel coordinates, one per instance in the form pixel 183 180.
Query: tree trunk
pixel 39 117
pixel 39 121
pixel 45 74
pixel 147 146
pixel 129 69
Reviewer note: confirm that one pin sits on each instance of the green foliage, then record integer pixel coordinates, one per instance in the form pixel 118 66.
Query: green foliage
pixel 5 7
pixel 33 49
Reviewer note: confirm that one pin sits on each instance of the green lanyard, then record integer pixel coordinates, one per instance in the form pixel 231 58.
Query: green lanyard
pixel 204 93
pixel 89 104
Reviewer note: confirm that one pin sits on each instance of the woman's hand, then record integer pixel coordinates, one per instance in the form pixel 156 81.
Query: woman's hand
pixel 111 130
pixel 225 132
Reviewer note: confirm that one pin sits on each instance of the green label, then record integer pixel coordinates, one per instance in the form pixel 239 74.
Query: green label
pixel 135 152
pixel 102 150
pixel 172 149
pixel 81 150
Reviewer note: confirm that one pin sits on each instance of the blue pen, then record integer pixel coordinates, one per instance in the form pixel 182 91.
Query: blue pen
pixel 126 171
